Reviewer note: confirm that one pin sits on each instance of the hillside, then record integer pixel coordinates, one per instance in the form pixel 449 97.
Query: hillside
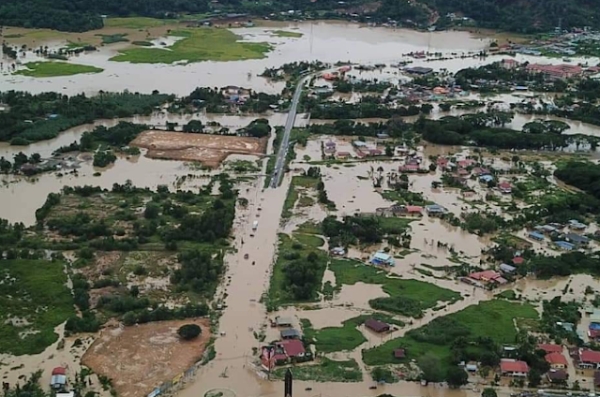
pixel 525 16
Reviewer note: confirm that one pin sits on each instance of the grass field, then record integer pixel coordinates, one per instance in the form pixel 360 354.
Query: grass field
pixel 346 337
pixel 298 244
pixel 34 299
pixel 326 371
pixel 293 193
pixel 492 319
pixel 394 225
pixel 407 297
pixel 136 22
pixel 285 33
pixel 55 69
pixel 198 45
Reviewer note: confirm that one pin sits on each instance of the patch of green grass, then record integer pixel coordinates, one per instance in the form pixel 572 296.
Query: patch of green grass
pixel 491 319
pixel 13 36
pixel 325 371
pixel 136 22
pixel 113 38
pixel 407 297
pixel 34 299
pixel 54 69
pixel 344 338
pixel 394 225
pixel 309 240
pixel 309 228
pixel 285 33
pixel 198 45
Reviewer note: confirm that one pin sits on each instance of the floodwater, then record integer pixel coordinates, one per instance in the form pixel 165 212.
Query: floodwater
pixel 324 41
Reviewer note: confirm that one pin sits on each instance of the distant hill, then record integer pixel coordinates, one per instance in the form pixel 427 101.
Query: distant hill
pixel 525 16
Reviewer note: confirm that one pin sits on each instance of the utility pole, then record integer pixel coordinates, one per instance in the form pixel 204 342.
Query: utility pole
pixel 288 383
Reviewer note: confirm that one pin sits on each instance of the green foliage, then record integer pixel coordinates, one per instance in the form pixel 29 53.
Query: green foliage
pixel 582 175
pixel 189 331
pixel 103 158
pixel 199 272
pixel 326 371
pixel 34 300
pixel 27 118
pixel 197 45
pixel 258 128
pixel 53 69
pixel 470 334
pixel 407 297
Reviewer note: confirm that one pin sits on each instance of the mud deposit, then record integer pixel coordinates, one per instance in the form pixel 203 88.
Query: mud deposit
pixel 139 358
pixel 210 150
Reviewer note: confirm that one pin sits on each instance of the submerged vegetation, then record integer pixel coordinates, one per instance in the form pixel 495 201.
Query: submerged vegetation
pixel 195 46
pixel 54 69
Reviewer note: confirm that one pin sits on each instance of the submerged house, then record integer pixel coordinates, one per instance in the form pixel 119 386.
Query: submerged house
pixel 383 259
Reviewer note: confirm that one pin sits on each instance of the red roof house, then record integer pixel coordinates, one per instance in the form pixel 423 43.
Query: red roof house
pixel 293 348
pixel 488 276
pixel 589 359
pixel 514 368
pixel 414 209
pixel 517 260
pixel 399 353
pixel 550 348
pixel 505 187
pixel 556 360
pixel 376 325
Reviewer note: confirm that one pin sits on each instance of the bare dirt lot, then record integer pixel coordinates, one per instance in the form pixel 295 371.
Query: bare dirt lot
pixel 210 150
pixel 140 358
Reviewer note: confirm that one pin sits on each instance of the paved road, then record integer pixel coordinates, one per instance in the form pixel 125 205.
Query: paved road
pixel 278 171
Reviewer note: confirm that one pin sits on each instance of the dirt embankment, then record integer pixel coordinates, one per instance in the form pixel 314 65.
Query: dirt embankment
pixel 210 150
pixel 140 358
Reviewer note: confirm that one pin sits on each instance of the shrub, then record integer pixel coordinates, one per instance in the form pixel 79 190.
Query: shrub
pixel 189 331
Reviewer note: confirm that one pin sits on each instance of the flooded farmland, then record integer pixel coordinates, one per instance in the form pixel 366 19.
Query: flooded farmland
pixel 431 256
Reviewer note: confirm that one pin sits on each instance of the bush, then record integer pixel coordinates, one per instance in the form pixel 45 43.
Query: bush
pixel 189 331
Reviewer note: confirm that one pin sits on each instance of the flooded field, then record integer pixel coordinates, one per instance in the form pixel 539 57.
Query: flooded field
pixel 324 41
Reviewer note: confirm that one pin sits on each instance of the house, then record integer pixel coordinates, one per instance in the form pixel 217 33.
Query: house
pixel 486 178
pixel 283 321
pixel 466 163
pixel 375 152
pixel 290 334
pixel 518 260
pixel 359 144
pixel 59 378
pixel 577 240
pixel 509 64
pixel 513 368
pixel 442 162
pixel 377 326
pixel 343 155
pixel 293 348
pixel 400 353
pixel 338 251
pixel 382 135
pixel 409 168
pixel 435 209
pixel 550 348
pixel 556 360
pixel 536 236
pixel 563 71
pixel 418 70
pixel 597 379
pixel 488 276
pixel 382 259
pixel 576 225
pixel 505 187
pixel 507 269
pixel 479 171
pixel 564 245
pixel 589 359
pixel 557 376
pixel 471 367
pixel 414 210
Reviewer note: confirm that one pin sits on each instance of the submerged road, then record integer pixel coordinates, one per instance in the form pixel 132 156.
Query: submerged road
pixel 289 124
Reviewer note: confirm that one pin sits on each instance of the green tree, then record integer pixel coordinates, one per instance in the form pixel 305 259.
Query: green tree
pixel 456 377
pixel 189 331
pixel 431 367
pixel 489 392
